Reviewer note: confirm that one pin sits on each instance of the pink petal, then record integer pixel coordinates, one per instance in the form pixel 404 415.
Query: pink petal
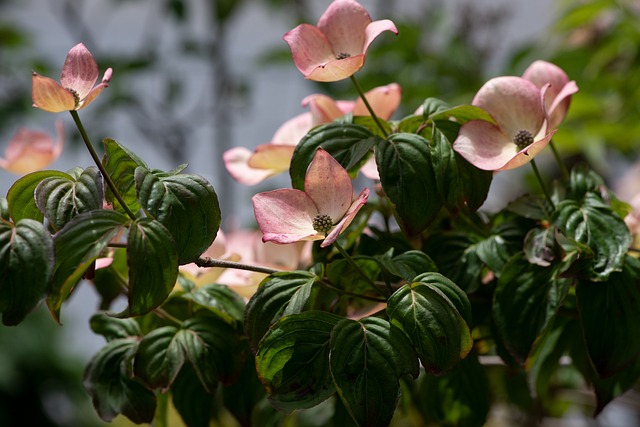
pixel 344 24
pixel 236 161
pixel 285 216
pixel 376 28
pixel 272 157
pixel 384 100
pixel 349 216
pixel 524 156
pixel 309 47
pixel 328 184
pixel 93 94
pixel 293 130
pixel 48 95
pixel 513 102
pixel 80 71
pixel 560 104
pixel 338 69
pixel 323 108
pixel 30 150
pixel 370 169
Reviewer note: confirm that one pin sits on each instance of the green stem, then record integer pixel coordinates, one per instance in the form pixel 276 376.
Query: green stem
pixel 357 268
pixel 544 188
pixel 165 315
pixel 561 165
pixel 366 104
pixel 96 159
pixel 160 418
pixel 211 262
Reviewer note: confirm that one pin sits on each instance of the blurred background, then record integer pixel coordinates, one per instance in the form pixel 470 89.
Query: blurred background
pixel 193 78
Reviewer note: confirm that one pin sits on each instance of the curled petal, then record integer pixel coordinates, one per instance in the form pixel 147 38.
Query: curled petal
pixel 344 24
pixel 93 94
pixel 285 216
pixel 337 69
pixel 348 217
pixel 513 102
pixel 323 108
pixel 48 95
pixel 236 161
pixel 328 184
pixel 309 47
pixel 559 106
pixel 376 28
pixel 558 96
pixel 79 71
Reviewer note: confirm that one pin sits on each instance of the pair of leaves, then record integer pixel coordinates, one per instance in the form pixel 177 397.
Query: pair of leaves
pixel 307 357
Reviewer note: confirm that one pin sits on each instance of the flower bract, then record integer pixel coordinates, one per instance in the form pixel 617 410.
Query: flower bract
pixel 31 150
pixel 520 130
pixel 320 212
pixel 336 48
pixel 77 87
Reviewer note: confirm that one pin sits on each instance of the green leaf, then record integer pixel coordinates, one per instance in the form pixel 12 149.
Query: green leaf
pixel 112 328
pixel 120 164
pixel 276 294
pixel 462 186
pixel 77 245
pixel 159 358
pixel 584 180
pixel 436 329
pixel 186 204
pixel 292 360
pixel 433 106
pixel 60 199
pixel 153 266
pixel 220 300
pixel 461 114
pixel 341 274
pixel 21 195
pixel 460 398
pixel 349 144
pixel 407 176
pixel 107 379
pixel 408 264
pixel 455 294
pixel 4 209
pixel 610 318
pixel 26 266
pixel 368 357
pixel 195 405
pixel 592 223
pixel 540 245
pixel 526 299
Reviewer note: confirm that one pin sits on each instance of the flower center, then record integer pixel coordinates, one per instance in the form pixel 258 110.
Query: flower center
pixel 75 96
pixel 342 55
pixel 523 139
pixel 322 223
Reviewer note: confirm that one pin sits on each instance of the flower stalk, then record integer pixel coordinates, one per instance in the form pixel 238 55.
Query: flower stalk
pixel 366 104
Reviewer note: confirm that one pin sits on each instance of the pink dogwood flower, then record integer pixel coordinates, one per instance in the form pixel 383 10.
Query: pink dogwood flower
pixel 336 48
pixel 76 89
pixel 558 96
pixel 267 160
pixel 320 212
pixel 521 127
pixel 31 150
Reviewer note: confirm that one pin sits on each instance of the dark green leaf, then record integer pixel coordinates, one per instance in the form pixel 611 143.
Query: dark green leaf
pixel 408 265
pixel 60 199
pixel 540 245
pixel 527 297
pixel 293 360
pixel 455 294
pixel 610 317
pixel 78 244
pixel 594 224
pixel 433 106
pixel 4 209
pixel 112 328
pixel 432 322
pixel 277 293
pixel 462 186
pixel 460 398
pixel 220 300
pixel 153 266
pixel 186 204
pixel 21 195
pixel 192 401
pixel 368 357
pixel 349 144
pixel 584 180
pixel 120 164
pixel 113 391
pixel 407 176
pixel 461 114
pixel 26 266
